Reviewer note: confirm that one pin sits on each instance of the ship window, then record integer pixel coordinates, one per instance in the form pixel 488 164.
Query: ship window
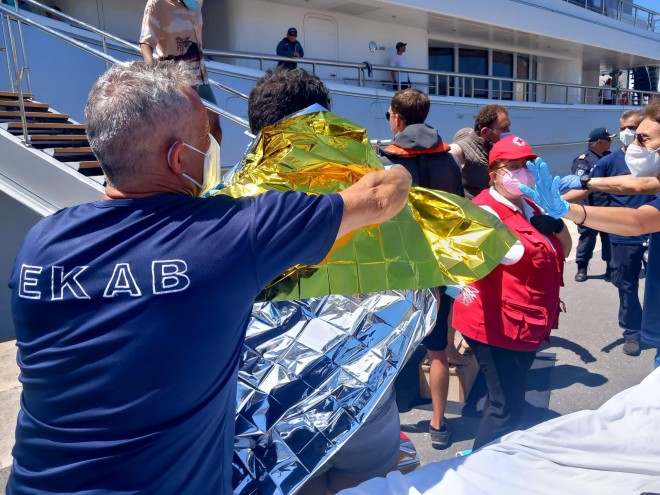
pixel 524 91
pixel 441 59
pixel 471 61
pixel 502 67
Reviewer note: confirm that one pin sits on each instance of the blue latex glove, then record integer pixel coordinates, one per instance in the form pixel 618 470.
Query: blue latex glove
pixel 569 182
pixel 452 291
pixel 546 190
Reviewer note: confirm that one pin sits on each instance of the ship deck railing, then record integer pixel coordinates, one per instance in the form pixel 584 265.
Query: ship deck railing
pixel 455 84
pixel 438 83
pixel 18 67
pixel 624 11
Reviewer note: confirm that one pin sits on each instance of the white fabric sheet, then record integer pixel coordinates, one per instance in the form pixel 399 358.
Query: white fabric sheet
pixel 614 450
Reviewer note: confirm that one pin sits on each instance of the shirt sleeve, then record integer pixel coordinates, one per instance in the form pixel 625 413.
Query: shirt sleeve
pixel 602 168
pixel 655 203
pixel 150 33
pixel 515 252
pixel 293 228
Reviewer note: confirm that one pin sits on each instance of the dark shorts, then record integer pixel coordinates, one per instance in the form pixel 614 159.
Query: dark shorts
pixel 205 92
pixel 437 339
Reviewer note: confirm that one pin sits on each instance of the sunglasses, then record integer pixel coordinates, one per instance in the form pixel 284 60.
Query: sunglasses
pixel 387 115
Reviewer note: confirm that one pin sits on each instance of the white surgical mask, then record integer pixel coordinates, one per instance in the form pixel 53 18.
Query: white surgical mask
pixel 627 136
pixel 212 171
pixel 643 162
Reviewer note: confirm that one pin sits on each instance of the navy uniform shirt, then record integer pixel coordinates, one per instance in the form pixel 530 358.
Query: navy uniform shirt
pixel 583 165
pixel 651 314
pixel 128 371
pixel 613 165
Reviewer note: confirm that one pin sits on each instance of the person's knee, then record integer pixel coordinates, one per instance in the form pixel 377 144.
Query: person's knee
pixel 439 356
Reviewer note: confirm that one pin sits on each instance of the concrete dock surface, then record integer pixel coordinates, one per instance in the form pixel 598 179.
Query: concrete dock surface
pixel 582 368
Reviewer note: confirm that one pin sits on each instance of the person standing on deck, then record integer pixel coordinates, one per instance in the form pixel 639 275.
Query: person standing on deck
pixel 289 46
pixel 400 80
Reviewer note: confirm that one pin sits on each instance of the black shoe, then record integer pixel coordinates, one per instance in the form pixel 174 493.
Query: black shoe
pixel 581 275
pixel 631 347
pixel 440 439
pixel 608 275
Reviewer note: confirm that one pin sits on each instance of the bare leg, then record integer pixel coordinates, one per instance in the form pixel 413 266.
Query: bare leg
pixel 453 355
pixel 439 384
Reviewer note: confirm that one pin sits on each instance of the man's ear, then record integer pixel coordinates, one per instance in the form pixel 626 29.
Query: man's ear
pixel 484 132
pixel 174 158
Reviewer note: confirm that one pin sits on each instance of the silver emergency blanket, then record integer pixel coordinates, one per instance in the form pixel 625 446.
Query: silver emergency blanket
pixel 311 373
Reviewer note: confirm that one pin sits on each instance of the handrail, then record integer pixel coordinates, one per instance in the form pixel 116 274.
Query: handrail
pixel 104 56
pixel 652 24
pixel 84 25
pixel 460 79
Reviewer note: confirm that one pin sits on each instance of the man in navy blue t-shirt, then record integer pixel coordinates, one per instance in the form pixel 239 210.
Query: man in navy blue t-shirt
pixel 642 158
pixel 128 383
pixel 627 251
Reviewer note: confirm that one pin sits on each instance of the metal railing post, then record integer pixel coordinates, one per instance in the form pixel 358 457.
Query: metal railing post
pixel 26 66
pixel 21 103
pixel 105 50
pixel 12 44
pixel 10 73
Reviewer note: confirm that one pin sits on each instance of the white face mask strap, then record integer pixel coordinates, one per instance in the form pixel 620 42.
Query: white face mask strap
pixel 169 161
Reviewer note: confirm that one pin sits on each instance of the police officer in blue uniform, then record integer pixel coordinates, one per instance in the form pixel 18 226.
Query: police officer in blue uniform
pixel 600 140
pixel 627 252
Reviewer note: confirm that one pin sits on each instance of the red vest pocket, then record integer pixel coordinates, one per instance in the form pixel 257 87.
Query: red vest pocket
pixel 525 322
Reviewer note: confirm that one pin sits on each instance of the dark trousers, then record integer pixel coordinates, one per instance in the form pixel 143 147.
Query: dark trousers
pixel 404 85
pixel 506 373
pixel 626 266
pixel 586 244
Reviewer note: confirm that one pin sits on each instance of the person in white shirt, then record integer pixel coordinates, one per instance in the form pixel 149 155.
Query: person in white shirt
pixel 400 80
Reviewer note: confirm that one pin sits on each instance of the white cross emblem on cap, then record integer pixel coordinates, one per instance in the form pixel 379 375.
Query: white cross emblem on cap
pixel 518 141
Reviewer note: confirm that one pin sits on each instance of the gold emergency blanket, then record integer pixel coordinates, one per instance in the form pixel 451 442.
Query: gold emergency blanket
pixel 437 239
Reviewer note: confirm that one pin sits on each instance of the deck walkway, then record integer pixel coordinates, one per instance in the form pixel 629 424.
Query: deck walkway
pixel 581 370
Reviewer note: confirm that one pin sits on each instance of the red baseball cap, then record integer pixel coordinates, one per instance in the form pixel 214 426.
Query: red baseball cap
pixel 510 148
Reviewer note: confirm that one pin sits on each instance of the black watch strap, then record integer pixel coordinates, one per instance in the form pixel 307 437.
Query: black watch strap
pixel 584 180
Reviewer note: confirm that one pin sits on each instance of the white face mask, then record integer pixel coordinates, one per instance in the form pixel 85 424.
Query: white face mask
pixel 643 162
pixel 212 171
pixel 627 136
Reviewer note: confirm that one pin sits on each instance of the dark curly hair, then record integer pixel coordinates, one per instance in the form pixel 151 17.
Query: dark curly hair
pixel 487 116
pixel 282 92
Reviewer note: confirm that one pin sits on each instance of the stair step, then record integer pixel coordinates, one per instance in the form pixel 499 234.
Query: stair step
pixel 67 154
pixel 46 125
pixel 13 115
pixel 11 94
pixel 57 140
pixel 26 104
pixel 88 168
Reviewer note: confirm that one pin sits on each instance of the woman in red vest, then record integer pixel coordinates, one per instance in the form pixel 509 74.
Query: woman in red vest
pixel 517 304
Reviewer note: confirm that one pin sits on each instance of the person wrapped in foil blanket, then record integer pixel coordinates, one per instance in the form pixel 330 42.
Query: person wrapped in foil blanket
pixel 315 367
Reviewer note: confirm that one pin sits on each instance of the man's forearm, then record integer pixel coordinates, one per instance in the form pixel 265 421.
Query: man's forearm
pixel 619 221
pixel 575 195
pixel 625 184
pixel 375 198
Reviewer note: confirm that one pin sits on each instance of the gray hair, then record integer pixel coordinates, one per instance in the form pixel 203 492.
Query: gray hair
pixel 633 113
pixel 131 109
